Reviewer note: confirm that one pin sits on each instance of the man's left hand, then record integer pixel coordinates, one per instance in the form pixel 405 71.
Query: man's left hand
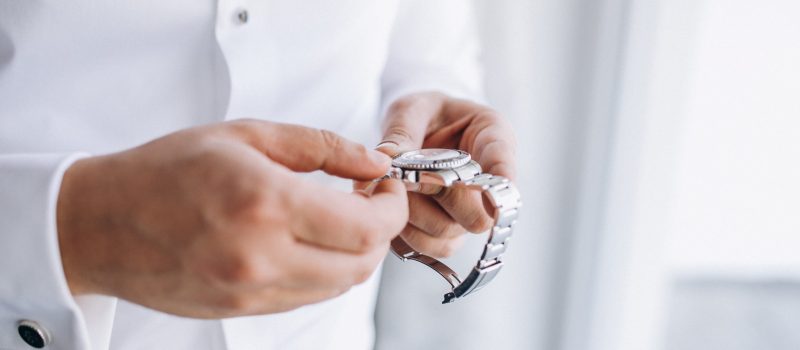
pixel 433 120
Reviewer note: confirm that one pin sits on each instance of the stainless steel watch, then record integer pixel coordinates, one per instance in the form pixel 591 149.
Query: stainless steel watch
pixel 432 171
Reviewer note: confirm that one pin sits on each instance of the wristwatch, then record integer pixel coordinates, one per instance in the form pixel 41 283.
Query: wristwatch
pixel 432 171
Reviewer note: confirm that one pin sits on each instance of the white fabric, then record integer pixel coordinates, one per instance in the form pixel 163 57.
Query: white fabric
pixel 100 76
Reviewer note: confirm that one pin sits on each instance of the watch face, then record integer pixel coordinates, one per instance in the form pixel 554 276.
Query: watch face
pixel 431 158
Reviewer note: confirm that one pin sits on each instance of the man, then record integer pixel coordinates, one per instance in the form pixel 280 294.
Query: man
pixel 141 210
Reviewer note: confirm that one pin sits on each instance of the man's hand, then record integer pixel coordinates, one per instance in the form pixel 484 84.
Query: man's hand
pixel 432 120
pixel 213 222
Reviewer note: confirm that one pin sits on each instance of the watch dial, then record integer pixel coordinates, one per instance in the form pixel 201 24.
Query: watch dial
pixel 432 158
pixel 432 154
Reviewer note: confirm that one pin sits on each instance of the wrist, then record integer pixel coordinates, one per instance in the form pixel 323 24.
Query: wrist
pixel 75 216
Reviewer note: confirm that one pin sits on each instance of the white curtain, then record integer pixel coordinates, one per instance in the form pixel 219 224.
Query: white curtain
pixel 660 172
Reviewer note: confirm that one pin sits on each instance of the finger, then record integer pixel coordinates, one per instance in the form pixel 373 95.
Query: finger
pixel 347 221
pixel 494 149
pixel 311 266
pixel 497 158
pixel 305 149
pixel 487 136
pixel 436 247
pixel 254 261
pixel 426 214
pixel 407 121
pixel 490 140
pixel 466 207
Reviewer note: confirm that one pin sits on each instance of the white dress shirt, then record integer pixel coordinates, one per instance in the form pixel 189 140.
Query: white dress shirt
pixel 90 77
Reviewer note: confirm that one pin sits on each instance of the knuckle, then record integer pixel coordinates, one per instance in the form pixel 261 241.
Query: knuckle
pixel 249 202
pixel 367 241
pixel 241 269
pixel 398 133
pixel 479 223
pixel 331 140
pixel 361 151
pixel 491 116
pixel 413 237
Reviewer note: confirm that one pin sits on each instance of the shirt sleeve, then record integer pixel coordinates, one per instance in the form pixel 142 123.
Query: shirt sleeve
pixel 33 286
pixel 434 47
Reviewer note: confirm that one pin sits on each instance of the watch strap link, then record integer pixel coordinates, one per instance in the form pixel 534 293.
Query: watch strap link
pixel 505 198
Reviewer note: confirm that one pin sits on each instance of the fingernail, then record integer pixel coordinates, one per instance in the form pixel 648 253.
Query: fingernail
pixel 389 147
pixel 387 144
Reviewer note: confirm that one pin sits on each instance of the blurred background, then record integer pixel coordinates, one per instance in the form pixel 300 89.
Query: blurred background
pixel 660 171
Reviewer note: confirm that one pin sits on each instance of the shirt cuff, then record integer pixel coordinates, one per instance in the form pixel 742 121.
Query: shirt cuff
pixel 34 287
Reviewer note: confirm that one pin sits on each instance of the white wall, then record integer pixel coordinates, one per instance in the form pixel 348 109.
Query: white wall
pixel 702 177
pixel 738 182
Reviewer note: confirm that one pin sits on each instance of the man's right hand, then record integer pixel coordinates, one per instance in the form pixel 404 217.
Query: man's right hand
pixel 214 222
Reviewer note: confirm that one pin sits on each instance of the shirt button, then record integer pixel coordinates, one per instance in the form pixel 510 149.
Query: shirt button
pixel 33 334
pixel 242 16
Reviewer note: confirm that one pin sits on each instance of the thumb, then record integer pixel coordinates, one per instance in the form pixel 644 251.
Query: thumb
pixel 407 122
